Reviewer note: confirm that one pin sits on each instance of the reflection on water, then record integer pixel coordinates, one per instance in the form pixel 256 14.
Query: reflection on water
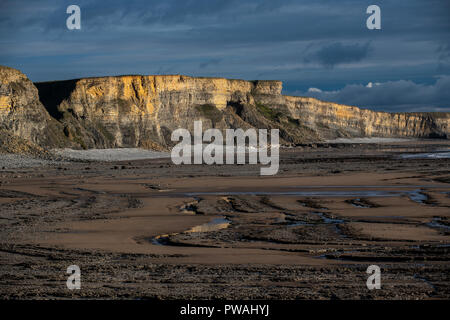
pixel 414 195
pixel 418 196
pixel 213 225
pixel 431 155
pixel 160 240
pixel 299 223
pixel 327 219
pixel 437 223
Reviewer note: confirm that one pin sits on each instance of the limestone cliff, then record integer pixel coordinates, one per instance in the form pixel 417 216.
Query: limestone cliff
pixel 334 120
pixel 142 111
pixel 21 113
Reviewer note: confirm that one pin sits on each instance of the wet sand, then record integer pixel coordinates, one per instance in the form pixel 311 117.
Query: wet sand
pixel 150 229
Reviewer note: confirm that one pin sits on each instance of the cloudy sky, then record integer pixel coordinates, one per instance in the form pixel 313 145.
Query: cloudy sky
pixel 319 48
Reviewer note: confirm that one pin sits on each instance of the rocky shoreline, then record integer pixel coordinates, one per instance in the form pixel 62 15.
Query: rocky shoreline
pixel 309 232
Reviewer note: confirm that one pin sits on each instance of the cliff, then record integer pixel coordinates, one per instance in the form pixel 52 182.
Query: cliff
pixel 335 120
pixel 22 115
pixel 142 111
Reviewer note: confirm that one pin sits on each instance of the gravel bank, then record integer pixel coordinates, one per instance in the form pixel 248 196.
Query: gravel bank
pixel 369 140
pixel 122 154
pixel 14 161
pixel 61 156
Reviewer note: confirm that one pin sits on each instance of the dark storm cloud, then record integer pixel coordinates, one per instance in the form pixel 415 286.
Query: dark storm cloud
pixel 404 95
pixel 444 52
pixel 322 43
pixel 338 53
pixel 210 62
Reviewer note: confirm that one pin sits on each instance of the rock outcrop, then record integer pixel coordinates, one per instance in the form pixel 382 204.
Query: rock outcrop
pixel 143 111
pixel 22 115
pixel 335 120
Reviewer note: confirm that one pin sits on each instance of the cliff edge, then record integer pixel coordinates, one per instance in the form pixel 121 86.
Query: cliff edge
pixel 142 111
pixel 23 117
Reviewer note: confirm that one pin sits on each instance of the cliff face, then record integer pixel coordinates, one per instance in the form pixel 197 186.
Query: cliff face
pixel 334 120
pixel 21 113
pixel 142 111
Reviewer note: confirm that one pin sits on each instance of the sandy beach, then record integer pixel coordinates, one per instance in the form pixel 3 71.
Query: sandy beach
pixel 148 228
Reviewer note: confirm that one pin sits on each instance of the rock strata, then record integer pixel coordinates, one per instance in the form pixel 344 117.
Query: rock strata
pixel 143 111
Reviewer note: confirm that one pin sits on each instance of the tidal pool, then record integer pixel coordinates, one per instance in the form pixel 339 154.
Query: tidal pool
pixel 429 155
pixel 414 195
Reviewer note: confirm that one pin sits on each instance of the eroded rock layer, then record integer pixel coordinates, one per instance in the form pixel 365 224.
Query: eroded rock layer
pixel 22 114
pixel 143 111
